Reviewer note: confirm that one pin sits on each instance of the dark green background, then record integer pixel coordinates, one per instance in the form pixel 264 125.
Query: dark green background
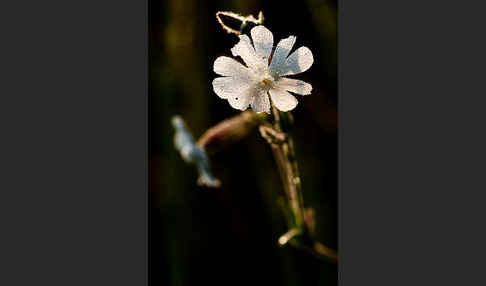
pixel 228 236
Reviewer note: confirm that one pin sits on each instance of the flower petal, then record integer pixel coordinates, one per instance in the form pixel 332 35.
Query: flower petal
pixel 245 50
pixel 283 100
pixel 281 52
pixel 241 101
pixel 299 61
pixel 263 42
pixel 260 102
pixel 226 87
pixel 294 85
pixel 227 66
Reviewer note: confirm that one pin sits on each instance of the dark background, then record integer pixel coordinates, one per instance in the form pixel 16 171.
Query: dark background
pixel 229 235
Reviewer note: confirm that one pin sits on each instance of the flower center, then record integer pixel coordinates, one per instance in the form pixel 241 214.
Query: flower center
pixel 265 82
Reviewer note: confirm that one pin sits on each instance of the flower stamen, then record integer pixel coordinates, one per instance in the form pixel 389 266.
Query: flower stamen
pixel 265 82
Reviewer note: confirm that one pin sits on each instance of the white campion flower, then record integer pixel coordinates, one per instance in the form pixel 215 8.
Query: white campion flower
pixel 251 85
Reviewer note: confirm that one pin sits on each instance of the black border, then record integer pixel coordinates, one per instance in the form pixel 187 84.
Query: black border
pixel 74 143
pixel 411 117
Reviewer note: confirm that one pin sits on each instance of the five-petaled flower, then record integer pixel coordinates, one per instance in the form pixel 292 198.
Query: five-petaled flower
pixel 264 74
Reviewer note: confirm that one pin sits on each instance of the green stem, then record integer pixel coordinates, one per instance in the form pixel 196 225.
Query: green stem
pixel 285 156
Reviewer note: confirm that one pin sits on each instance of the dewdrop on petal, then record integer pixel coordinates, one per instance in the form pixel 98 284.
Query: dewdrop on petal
pixel 251 85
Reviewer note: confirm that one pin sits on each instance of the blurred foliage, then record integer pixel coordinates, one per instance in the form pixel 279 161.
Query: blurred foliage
pixel 229 236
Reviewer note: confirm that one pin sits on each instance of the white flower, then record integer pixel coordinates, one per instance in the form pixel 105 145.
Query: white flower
pixel 250 86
